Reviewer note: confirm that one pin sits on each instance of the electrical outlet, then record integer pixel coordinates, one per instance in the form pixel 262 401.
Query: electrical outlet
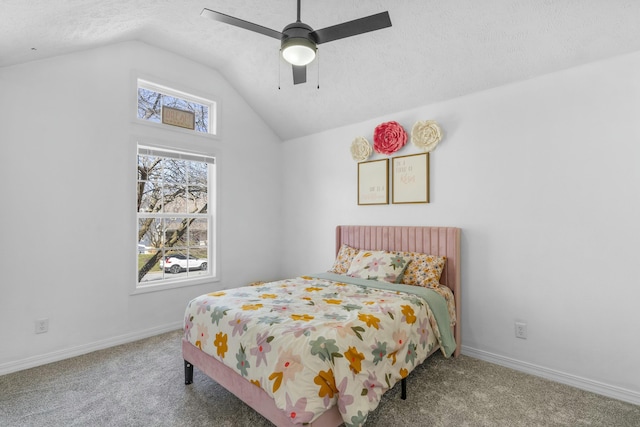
pixel 42 326
pixel 521 330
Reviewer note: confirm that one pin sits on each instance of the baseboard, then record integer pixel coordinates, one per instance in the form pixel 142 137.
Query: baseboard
pixel 55 356
pixel 597 387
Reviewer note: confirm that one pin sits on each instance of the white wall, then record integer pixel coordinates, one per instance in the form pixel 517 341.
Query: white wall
pixel 543 177
pixel 67 169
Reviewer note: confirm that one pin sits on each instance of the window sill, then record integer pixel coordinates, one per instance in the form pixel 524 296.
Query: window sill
pixel 144 289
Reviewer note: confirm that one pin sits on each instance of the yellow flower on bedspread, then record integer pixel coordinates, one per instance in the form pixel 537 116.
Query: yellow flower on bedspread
pixel 327 383
pixel 248 307
pixel 355 359
pixel 313 288
pixel 256 383
pixel 303 317
pixel 268 296
pixel 404 372
pixel 221 344
pixel 409 314
pixel 370 320
pixel 333 301
pixel 217 294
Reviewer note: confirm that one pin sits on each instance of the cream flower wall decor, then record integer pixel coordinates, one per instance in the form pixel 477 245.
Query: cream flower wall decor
pixel 426 135
pixel 360 149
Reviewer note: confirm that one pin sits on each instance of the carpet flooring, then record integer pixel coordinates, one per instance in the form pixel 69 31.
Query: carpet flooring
pixel 142 384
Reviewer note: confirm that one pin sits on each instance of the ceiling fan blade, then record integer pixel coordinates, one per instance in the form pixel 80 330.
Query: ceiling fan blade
pixel 299 74
pixel 221 17
pixel 353 28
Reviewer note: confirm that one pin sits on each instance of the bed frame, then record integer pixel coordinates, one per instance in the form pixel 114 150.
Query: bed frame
pixel 432 240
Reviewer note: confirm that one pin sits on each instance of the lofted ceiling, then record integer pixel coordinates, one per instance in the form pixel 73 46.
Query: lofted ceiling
pixel 435 50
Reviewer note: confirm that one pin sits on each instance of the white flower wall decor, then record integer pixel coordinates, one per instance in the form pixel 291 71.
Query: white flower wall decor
pixel 426 135
pixel 360 149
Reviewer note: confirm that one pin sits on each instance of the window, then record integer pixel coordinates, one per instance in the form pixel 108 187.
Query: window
pixel 175 204
pixel 152 98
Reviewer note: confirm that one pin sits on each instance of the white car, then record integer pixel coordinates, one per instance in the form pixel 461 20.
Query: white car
pixel 179 262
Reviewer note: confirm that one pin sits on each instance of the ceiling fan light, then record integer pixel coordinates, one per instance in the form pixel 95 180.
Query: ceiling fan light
pixel 298 51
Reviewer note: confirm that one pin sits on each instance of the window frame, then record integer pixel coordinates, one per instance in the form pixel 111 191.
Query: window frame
pixel 178 91
pixel 172 138
pixel 213 269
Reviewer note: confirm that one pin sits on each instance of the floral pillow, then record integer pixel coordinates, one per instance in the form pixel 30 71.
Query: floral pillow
pixel 378 265
pixel 423 270
pixel 343 259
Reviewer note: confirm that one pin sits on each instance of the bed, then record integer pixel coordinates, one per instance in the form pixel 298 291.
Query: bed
pixel 321 349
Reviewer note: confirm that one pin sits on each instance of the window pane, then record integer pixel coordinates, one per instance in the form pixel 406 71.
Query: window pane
pixel 149 240
pixel 175 232
pixel 175 171
pixel 150 233
pixel 174 199
pixel 198 173
pixel 198 262
pixel 197 200
pixel 199 233
pixel 149 197
pixel 148 263
pixel 149 168
pixel 149 105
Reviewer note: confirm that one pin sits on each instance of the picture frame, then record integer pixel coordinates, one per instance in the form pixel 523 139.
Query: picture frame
pixel 410 179
pixel 373 182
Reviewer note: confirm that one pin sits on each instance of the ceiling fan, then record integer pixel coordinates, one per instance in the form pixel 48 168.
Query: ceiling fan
pixel 298 41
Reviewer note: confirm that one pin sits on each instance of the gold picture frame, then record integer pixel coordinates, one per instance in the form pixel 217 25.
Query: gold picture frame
pixel 410 179
pixel 373 182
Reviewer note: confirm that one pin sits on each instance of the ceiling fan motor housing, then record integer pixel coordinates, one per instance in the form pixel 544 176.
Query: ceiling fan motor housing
pixel 298 30
pixel 299 36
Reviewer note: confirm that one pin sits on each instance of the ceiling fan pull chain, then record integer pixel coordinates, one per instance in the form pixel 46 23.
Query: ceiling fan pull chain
pixel 318 57
pixel 279 67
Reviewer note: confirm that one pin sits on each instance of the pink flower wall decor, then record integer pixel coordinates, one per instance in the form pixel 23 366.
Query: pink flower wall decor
pixel 389 137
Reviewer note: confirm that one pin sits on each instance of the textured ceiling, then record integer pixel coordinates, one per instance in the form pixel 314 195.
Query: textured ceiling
pixel 435 50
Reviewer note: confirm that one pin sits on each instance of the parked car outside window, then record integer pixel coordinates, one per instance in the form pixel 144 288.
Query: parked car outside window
pixel 179 262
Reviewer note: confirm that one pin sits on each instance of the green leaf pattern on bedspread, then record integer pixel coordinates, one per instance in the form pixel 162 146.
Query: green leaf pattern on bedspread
pixel 313 343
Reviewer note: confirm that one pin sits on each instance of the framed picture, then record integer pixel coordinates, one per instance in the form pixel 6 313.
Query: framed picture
pixel 373 182
pixel 411 178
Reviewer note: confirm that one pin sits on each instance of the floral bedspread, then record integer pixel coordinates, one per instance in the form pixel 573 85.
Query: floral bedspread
pixel 313 343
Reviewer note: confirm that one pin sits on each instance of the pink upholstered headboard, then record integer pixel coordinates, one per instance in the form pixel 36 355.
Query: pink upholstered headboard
pixel 430 240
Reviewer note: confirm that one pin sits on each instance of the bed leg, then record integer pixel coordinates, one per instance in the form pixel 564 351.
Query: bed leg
pixel 403 395
pixel 188 372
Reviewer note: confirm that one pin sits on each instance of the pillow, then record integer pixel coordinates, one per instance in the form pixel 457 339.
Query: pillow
pixel 381 266
pixel 343 259
pixel 423 270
